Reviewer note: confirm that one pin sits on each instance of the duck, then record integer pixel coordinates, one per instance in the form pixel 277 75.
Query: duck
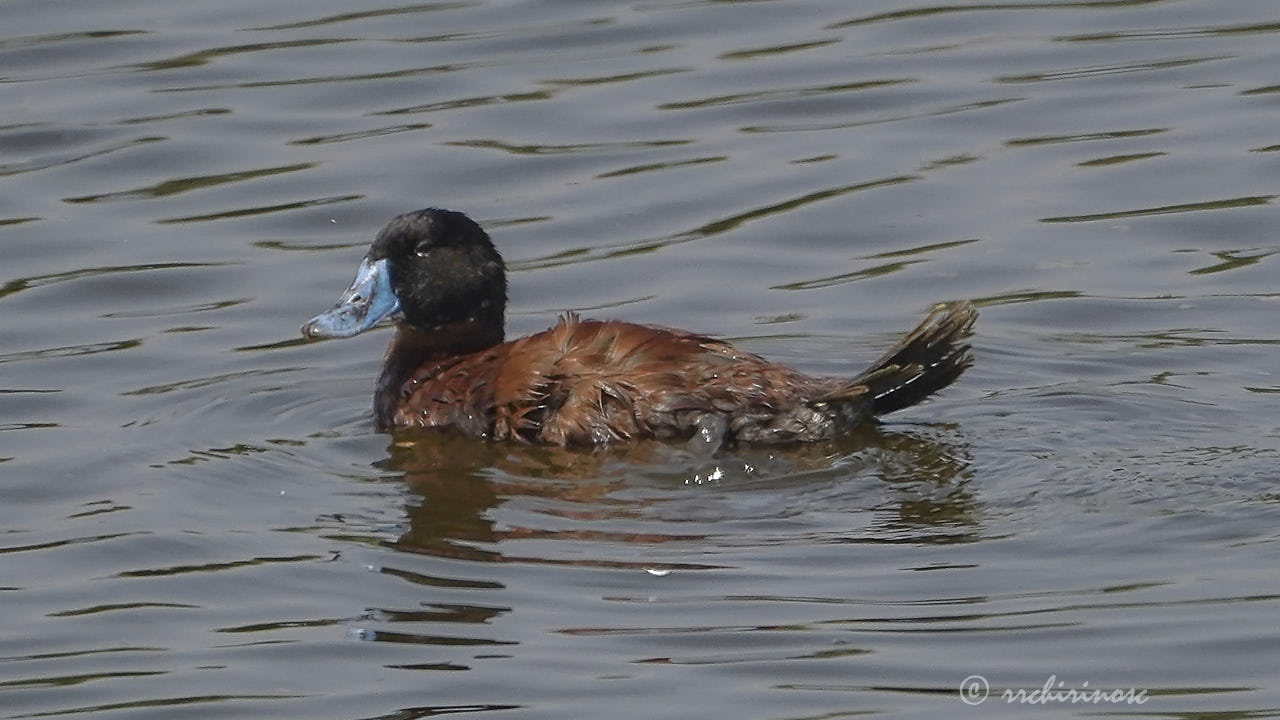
pixel 592 383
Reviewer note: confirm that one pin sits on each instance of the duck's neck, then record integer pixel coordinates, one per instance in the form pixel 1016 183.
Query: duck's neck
pixel 412 347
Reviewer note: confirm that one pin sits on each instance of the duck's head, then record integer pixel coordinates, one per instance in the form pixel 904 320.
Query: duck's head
pixel 436 267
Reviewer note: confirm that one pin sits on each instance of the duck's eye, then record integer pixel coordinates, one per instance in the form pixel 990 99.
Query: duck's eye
pixel 423 250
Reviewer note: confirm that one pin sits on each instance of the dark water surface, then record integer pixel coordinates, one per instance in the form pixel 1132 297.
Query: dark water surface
pixel 197 520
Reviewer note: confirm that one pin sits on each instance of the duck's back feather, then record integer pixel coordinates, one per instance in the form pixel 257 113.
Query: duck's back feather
pixel 588 382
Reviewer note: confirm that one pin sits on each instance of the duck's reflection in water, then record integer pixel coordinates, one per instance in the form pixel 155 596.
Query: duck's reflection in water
pixel 479 499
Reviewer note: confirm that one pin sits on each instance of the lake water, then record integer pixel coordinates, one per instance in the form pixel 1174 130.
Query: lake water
pixel 197 519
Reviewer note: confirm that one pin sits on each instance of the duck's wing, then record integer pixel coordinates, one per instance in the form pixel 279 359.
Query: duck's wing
pixel 590 382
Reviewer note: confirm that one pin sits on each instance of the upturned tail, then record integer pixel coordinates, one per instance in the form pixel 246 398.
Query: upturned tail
pixel 928 359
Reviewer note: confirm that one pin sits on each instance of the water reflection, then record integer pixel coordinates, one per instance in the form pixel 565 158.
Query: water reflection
pixel 478 500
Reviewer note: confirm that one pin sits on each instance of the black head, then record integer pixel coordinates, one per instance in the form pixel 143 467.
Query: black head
pixel 444 268
pixel 437 267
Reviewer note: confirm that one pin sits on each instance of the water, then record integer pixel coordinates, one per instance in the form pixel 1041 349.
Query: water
pixel 199 521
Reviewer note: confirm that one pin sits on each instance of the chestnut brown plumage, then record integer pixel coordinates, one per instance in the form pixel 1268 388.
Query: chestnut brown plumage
pixel 588 382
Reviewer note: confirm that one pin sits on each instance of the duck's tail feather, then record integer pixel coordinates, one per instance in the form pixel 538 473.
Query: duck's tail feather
pixel 928 359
